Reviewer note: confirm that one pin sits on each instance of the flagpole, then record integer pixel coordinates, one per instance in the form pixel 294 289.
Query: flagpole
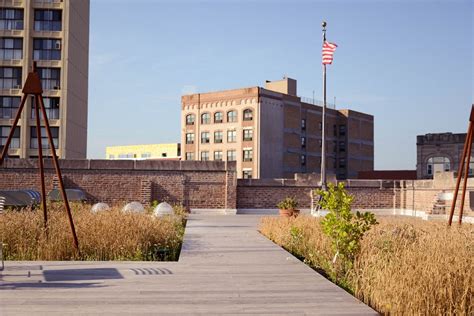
pixel 323 132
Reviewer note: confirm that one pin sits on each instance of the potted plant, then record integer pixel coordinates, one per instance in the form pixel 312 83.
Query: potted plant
pixel 288 207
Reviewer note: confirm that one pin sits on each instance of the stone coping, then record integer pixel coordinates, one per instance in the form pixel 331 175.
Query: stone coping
pixel 103 164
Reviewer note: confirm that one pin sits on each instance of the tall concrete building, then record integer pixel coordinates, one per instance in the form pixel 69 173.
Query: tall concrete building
pixel 272 133
pixel 438 153
pixel 55 34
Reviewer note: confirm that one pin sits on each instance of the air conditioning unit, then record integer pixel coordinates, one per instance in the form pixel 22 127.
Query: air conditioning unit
pixel 57 45
pixel 56 88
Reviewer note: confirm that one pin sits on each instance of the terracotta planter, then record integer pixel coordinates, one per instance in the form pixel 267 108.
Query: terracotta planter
pixel 286 213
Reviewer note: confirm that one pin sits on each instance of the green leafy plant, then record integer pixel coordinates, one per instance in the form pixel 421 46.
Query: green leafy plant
pixel 345 228
pixel 288 203
pixel 154 203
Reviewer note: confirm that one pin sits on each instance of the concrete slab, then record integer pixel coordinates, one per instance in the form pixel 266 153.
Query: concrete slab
pixel 226 267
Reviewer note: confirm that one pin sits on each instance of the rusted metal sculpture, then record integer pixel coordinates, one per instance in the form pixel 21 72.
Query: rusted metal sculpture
pixel 463 171
pixel 33 87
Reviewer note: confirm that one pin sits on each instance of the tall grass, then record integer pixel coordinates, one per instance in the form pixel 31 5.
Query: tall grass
pixel 110 235
pixel 405 266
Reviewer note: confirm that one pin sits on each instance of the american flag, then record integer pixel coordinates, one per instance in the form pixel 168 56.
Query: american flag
pixel 328 52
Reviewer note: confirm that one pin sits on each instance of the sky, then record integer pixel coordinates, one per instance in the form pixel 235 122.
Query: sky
pixel 408 63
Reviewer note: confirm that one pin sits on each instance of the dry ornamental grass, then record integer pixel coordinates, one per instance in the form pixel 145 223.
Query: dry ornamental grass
pixel 405 267
pixel 109 235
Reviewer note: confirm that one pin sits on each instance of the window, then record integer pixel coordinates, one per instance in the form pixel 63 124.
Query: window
pixel 206 118
pixel 11 19
pixel 248 154
pixel 334 144
pixel 320 126
pixel 127 156
pixel 4 132
pixel 44 137
pixel 218 155
pixel 111 156
pixel 248 115
pixel 335 129
pixel 248 134
pixel 11 48
pixel 163 155
pixel 146 155
pixel 51 106
pixel 190 156
pixel 320 143
pixel 231 136
pixel 342 163
pixel 190 118
pixel 342 147
pixel 232 116
pixel 231 155
pixel 50 78
pixel 438 164
pixel 218 136
pixel 205 139
pixel 342 130
pixel 46 49
pixel 303 142
pixel 218 117
pixel 10 77
pixel 303 160
pixel 204 155
pixel 303 124
pixel 247 174
pixel 189 138
pixel 48 20
pixel 9 107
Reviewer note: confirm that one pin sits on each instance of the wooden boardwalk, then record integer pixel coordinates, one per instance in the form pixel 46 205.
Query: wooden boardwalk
pixel 226 267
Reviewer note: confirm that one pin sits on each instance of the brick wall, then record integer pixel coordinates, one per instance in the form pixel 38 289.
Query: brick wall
pixel 197 184
pixel 419 195
pixel 194 184
pixel 265 194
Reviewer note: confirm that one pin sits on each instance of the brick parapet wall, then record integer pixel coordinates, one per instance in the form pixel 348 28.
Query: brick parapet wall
pixel 266 193
pixel 193 184
pixel 197 184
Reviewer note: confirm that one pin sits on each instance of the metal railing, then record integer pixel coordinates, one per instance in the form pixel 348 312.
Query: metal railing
pixel 317 102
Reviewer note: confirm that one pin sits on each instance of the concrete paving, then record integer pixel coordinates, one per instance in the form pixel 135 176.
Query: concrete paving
pixel 226 268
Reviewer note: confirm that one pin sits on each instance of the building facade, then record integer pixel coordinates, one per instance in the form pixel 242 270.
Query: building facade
pixel 152 151
pixel 272 133
pixel 438 153
pixel 55 34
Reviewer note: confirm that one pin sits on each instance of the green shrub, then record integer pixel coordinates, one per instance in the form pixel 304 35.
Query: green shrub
pixel 288 203
pixel 344 228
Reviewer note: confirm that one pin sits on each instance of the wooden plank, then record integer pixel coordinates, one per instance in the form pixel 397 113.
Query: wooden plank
pixel 226 267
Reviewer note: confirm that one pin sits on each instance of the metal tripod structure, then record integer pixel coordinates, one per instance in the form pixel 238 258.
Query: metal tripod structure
pixel 463 172
pixel 33 87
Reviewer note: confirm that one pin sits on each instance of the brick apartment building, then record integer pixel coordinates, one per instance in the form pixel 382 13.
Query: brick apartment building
pixel 438 153
pixel 272 133
pixel 55 34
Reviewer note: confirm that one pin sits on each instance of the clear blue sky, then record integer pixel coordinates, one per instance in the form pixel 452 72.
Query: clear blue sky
pixel 408 63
